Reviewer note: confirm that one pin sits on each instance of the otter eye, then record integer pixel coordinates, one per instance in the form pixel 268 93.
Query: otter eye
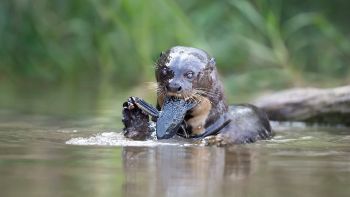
pixel 164 71
pixel 189 75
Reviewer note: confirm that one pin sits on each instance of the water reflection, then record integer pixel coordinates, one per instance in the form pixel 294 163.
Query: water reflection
pixel 185 171
pixel 35 161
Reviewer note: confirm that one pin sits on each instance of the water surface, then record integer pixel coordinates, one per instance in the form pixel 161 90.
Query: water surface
pixel 44 155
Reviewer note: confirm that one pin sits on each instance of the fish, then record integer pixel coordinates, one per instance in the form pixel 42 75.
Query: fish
pixel 171 116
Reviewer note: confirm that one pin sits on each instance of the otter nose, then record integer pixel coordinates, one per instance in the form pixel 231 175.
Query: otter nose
pixel 174 87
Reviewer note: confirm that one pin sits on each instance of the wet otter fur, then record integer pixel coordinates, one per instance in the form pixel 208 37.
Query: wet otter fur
pixel 190 73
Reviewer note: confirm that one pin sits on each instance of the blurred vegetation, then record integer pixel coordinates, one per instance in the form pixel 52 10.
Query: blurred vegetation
pixel 99 43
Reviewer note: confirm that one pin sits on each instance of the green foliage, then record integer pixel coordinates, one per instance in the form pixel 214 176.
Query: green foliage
pixel 116 41
pixel 294 44
pixel 113 40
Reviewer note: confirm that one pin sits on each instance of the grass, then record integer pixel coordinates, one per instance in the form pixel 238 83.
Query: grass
pixel 111 42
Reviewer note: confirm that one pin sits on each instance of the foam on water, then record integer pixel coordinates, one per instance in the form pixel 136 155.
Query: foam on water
pixel 117 139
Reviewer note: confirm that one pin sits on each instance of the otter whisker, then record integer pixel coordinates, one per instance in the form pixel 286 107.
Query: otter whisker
pixel 211 94
pixel 200 95
pixel 193 98
pixel 161 90
pixel 196 98
pixel 188 96
pixel 152 85
pixel 203 89
pixel 187 135
pixel 205 93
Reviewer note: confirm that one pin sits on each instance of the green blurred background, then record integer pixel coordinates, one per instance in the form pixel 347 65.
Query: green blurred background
pixel 86 56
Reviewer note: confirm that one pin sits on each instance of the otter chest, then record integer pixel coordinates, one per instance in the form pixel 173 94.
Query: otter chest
pixel 198 116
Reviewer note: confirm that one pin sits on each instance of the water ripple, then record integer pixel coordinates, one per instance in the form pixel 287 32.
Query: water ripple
pixel 115 139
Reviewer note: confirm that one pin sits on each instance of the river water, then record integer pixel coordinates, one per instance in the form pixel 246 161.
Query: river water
pixel 45 155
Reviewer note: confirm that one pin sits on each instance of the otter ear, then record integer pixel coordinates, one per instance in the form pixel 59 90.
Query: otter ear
pixel 212 61
pixel 211 64
pixel 161 54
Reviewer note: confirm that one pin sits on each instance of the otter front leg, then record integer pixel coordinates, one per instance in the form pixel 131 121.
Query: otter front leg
pixel 215 140
pixel 135 118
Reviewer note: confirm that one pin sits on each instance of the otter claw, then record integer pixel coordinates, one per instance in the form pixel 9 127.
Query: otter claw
pixel 147 109
pixel 135 121
pixel 215 140
pixel 129 104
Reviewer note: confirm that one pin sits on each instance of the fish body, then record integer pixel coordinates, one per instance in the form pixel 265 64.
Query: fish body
pixel 172 116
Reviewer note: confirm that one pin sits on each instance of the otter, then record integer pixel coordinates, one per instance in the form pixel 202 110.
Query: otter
pixel 190 74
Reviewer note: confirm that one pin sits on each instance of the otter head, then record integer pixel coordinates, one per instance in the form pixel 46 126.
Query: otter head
pixel 187 73
pixel 190 73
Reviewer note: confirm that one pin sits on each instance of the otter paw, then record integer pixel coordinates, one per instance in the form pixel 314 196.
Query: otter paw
pixel 214 140
pixel 135 121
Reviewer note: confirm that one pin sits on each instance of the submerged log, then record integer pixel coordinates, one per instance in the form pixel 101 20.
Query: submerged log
pixel 326 106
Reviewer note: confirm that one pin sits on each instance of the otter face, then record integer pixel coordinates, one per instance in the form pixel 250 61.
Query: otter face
pixel 182 71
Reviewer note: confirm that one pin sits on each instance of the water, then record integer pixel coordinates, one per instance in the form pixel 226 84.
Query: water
pixel 44 155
